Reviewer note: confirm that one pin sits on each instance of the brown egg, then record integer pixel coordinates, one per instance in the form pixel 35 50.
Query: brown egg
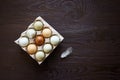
pixel 47 32
pixel 31 49
pixel 39 40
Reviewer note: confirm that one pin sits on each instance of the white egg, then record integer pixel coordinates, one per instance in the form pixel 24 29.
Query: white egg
pixel 23 41
pixel 39 55
pixel 54 40
pixel 30 33
pixel 38 25
pixel 47 48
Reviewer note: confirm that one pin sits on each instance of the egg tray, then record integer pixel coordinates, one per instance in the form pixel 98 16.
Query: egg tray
pixel 39 32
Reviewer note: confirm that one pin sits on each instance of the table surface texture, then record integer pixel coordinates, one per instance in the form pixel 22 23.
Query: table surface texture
pixel 90 27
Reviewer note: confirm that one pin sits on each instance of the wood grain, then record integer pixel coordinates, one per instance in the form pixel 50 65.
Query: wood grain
pixel 91 27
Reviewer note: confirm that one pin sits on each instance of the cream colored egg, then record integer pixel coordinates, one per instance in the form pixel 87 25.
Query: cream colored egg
pixel 23 41
pixel 31 49
pixel 39 55
pixel 47 32
pixel 31 33
pixel 47 48
pixel 38 25
pixel 54 40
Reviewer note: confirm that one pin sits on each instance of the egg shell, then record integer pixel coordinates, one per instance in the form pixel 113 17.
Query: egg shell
pixel 47 48
pixel 46 32
pixel 31 49
pixel 31 33
pixel 40 55
pixel 38 25
pixel 54 40
pixel 23 41
pixel 39 40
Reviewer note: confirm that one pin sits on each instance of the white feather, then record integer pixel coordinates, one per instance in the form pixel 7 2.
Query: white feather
pixel 67 52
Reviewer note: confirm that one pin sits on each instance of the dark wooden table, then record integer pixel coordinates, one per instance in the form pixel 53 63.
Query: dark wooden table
pixel 91 27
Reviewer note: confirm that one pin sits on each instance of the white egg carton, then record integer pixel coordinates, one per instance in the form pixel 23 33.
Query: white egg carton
pixel 47 40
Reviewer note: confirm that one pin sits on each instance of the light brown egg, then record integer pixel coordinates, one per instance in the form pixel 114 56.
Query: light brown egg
pixel 31 49
pixel 46 32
